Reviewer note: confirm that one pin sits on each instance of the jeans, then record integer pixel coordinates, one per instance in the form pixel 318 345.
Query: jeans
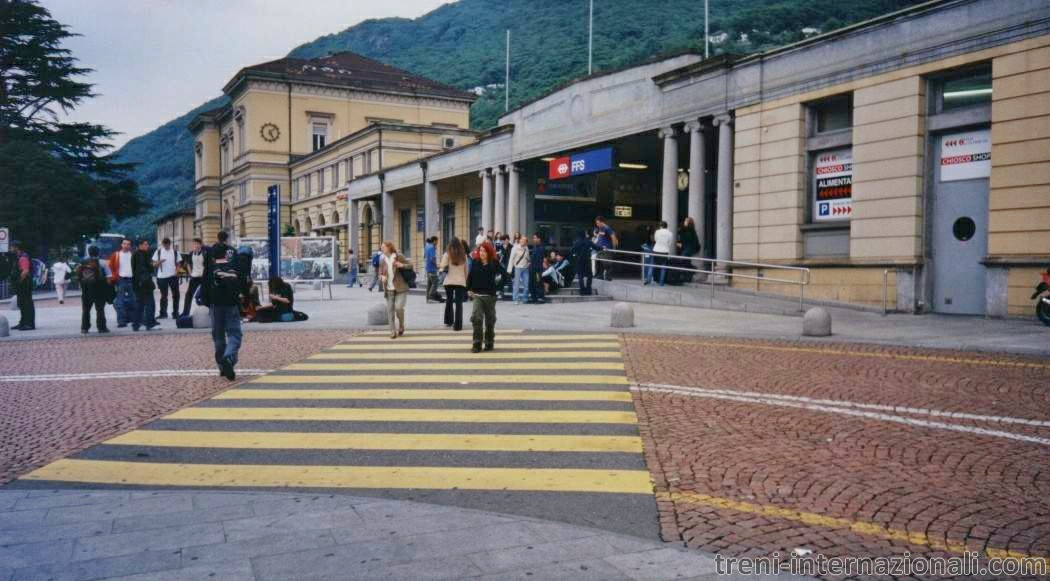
pixel 172 283
pixel 661 260
pixel 432 286
pixel 647 269
pixel 145 312
pixel 195 284
pixel 483 319
pixel 125 302
pixel 375 278
pixel 226 332
pixel 92 300
pixel 351 275
pixel 454 297
pixel 520 291
pixel 24 296
pixel 395 310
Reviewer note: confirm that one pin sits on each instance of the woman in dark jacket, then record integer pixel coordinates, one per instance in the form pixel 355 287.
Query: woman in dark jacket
pixel 688 240
pixel 581 257
pixel 481 287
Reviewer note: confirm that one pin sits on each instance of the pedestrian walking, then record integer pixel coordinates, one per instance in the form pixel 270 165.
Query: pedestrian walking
pixel 166 259
pixel 142 267
pixel 352 269
pixel 225 282
pixel 22 280
pixel 196 267
pixel 663 240
pixel 60 273
pixel 518 266
pixel 393 268
pixel 454 263
pixel 536 255
pixel 581 256
pixel 481 287
pixel 121 278
pixel 376 258
pixel 95 292
pixel 431 267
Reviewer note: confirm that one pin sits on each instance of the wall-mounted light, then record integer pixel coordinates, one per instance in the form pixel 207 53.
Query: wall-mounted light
pixel 633 166
pixel 966 93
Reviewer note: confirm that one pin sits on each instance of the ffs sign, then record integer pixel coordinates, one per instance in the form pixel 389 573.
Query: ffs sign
pixel 585 162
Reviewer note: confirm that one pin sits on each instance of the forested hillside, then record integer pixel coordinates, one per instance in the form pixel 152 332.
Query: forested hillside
pixel 462 44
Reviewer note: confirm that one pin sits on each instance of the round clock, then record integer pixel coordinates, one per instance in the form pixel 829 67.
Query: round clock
pixel 683 180
pixel 269 132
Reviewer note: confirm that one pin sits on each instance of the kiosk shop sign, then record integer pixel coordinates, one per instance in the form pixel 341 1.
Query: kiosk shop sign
pixel 833 185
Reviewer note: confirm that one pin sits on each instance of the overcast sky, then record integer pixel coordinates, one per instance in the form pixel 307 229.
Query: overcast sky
pixel 157 59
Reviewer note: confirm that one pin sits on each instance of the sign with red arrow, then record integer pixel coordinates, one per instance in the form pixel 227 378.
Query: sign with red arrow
pixel 833 185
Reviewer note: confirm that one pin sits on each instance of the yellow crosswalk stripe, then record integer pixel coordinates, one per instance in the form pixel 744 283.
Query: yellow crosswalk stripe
pixel 467 338
pixel 428 378
pixel 406 415
pixel 435 394
pixel 464 347
pixel 398 356
pixel 379 441
pixel 346 477
pixel 465 366
pixel 435 332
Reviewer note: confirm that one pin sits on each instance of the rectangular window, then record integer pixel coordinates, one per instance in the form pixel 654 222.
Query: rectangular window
pixel 319 131
pixel 295 189
pixel 320 181
pixel 368 163
pixel 335 174
pixel 448 222
pixel 475 219
pixel 349 169
pixel 309 185
pixel 199 165
pixel 242 191
pixel 240 133
pixel 405 226
pixel 834 114
pixel 966 88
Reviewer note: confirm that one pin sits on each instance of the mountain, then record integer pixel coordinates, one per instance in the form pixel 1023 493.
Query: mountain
pixel 462 44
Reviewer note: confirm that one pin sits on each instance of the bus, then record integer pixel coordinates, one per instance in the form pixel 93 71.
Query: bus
pixel 107 243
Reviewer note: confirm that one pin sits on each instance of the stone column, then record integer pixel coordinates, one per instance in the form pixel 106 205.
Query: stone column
pixel 724 232
pixel 696 176
pixel 388 212
pixel 431 219
pixel 669 191
pixel 353 229
pixel 499 223
pixel 514 209
pixel 486 202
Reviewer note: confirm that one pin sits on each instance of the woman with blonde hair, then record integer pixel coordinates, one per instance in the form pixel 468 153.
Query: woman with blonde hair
pixel 454 264
pixel 392 269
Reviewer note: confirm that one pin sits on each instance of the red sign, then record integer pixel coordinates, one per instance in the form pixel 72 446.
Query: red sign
pixel 560 168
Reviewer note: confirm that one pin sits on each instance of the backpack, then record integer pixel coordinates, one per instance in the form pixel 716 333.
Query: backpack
pixel 375 260
pixel 409 276
pixel 88 274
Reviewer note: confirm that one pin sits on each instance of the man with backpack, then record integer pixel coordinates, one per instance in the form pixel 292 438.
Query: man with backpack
pixel 94 292
pixel 225 282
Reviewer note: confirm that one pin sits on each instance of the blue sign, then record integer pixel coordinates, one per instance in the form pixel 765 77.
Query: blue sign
pixel 585 162
pixel 273 228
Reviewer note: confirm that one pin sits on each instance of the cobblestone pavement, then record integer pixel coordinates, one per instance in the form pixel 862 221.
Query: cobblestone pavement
pixel 761 446
pixel 84 398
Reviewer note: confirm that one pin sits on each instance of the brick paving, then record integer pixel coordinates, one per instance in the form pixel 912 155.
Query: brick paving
pixel 43 421
pixel 744 478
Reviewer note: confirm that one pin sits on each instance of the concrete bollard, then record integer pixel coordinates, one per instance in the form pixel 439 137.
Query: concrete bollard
pixel 201 317
pixel 377 315
pixel 622 316
pixel 816 323
pixel 5 327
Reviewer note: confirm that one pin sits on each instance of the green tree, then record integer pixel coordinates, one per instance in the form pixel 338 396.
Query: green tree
pixel 38 86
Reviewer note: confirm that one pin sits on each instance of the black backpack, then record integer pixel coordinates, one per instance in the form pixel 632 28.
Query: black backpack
pixel 409 276
pixel 88 273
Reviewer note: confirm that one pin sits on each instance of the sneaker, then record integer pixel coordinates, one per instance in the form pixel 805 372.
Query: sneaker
pixel 26 328
pixel 121 325
pixel 153 326
pixel 226 369
pixel 103 330
pixel 61 302
pixel 476 348
pixel 135 328
pixel 488 347
pixel 163 316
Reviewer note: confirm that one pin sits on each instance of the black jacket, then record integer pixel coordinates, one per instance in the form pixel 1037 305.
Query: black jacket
pixel 482 277
pixel 142 271
pixel 225 278
pixel 581 254
pixel 536 254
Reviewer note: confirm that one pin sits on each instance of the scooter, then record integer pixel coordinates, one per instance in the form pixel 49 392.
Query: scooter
pixel 1042 298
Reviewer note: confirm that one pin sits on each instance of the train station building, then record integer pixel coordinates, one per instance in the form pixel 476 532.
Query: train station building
pixel 912 149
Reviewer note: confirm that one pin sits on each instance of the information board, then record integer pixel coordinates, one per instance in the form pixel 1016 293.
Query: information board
pixel 833 185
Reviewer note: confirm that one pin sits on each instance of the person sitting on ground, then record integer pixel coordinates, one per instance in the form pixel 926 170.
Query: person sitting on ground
pixel 282 303
pixel 554 273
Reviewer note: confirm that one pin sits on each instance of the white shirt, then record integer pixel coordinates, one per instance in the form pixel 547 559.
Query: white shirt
pixel 165 269
pixel 197 264
pixel 59 270
pixel 124 258
pixel 662 240
pixel 479 239
pixel 390 270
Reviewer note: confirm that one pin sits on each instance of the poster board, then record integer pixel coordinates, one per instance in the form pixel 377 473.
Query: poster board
pixel 833 185
pixel 302 258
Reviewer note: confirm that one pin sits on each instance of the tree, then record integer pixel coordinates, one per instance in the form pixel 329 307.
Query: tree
pixel 38 85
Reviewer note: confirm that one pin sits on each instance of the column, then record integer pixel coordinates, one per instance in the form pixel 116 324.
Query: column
pixel 724 230
pixel 500 220
pixel 669 191
pixel 486 202
pixel 431 219
pixel 696 175
pixel 388 212
pixel 514 209
pixel 353 229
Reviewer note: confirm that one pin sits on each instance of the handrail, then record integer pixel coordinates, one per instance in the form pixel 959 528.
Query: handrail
pixel 802 281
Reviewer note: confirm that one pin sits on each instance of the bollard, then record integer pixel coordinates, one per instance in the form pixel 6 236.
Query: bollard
pixel 622 316
pixel 5 327
pixel 201 317
pixel 816 323
pixel 377 315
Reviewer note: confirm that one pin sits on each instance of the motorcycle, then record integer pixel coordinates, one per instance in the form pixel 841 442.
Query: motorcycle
pixel 1041 296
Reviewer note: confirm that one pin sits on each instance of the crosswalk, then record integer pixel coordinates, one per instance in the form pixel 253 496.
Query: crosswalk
pixel 544 413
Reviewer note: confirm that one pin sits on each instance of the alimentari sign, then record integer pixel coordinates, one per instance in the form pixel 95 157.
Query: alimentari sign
pixel 585 162
pixel 833 187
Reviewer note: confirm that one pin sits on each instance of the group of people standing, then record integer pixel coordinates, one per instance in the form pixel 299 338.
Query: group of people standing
pixel 131 275
pixel 659 246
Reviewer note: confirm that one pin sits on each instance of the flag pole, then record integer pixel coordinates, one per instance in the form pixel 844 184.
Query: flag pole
pixel 707 33
pixel 506 81
pixel 590 39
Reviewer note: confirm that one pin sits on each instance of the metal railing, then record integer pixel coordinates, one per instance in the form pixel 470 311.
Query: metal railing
pixel 724 269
